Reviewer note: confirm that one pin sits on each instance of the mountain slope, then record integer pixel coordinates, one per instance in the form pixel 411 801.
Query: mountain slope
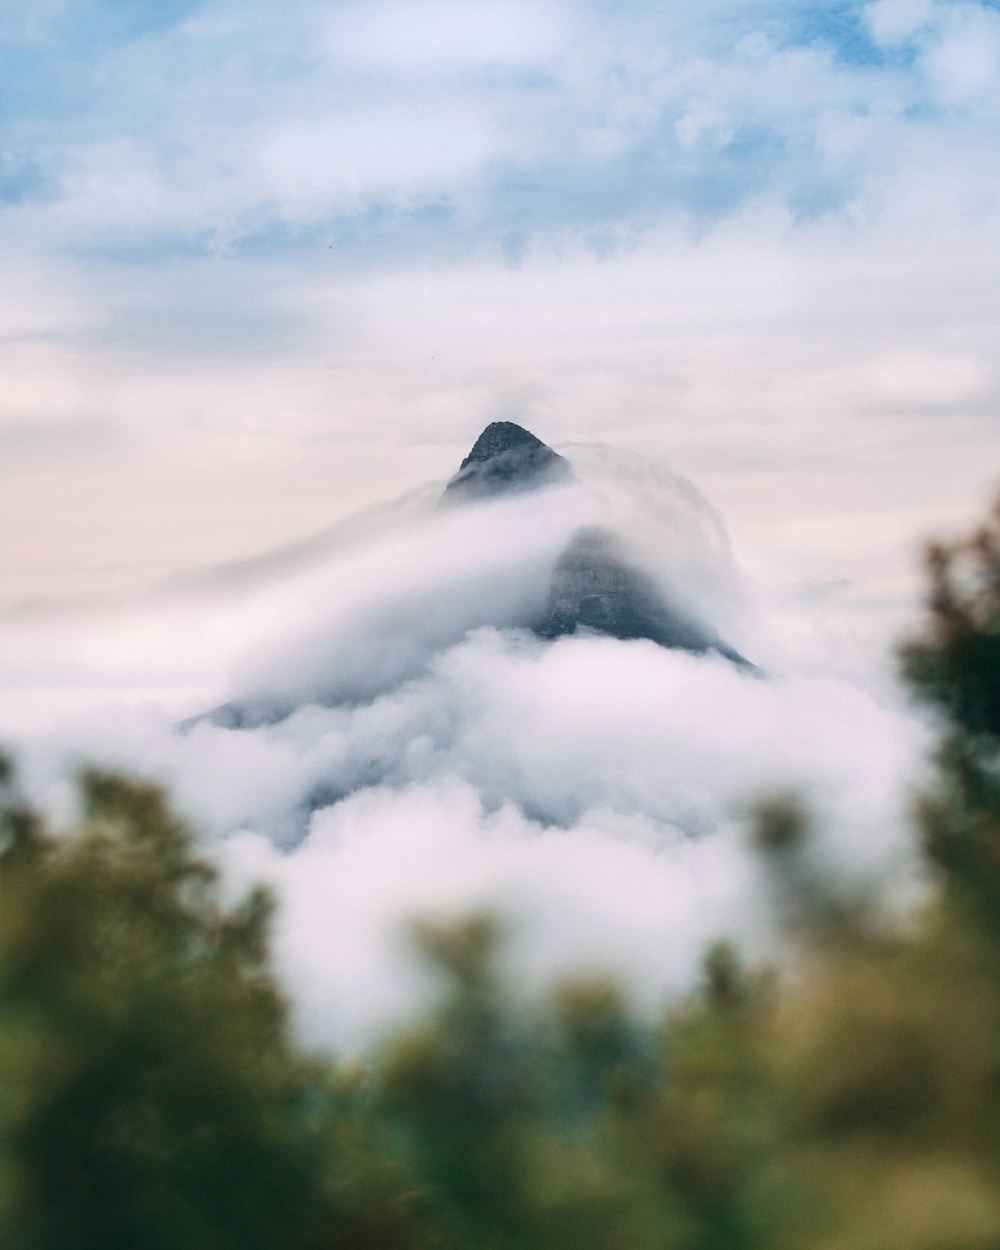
pixel 594 587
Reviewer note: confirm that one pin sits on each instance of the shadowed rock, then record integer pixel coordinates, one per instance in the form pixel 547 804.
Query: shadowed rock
pixel 594 587
pixel 504 460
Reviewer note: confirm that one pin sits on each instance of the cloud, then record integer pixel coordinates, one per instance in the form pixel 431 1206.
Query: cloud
pixel 896 21
pixel 311 167
pixel 963 61
pixel 586 790
pixel 612 894
pixel 444 33
pixel 219 125
pixel 424 758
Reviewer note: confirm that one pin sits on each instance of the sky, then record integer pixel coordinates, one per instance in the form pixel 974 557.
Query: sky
pixel 261 265
pixel 267 271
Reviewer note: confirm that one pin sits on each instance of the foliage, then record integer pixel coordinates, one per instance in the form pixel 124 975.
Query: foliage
pixel 955 666
pixel 151 1094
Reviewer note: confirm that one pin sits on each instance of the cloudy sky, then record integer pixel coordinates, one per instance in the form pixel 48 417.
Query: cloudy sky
pixel 262 266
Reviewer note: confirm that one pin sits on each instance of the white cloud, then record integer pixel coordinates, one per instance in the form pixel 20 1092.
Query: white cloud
pixel 896 21
pixel 601 895
pixel 963 60
pixel 311 167
pixel 449 788
pixel 443 33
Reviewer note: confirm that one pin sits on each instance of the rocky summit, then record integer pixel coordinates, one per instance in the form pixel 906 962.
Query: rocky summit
pixel 505 459
pixel 594 585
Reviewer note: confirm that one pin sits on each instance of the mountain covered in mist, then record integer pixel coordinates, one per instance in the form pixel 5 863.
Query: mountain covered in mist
pixel 592 587
pixel 514 694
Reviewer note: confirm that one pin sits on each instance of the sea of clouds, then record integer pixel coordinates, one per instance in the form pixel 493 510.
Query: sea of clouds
pixel 391 744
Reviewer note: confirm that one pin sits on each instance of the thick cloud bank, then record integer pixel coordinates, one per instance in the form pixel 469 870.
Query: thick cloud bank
pixel 403 748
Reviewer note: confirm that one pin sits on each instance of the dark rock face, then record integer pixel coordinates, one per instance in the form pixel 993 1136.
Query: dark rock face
pixel 595 588
pixel 504 460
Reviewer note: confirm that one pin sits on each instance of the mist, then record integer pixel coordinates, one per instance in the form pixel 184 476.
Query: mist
pixel 359 720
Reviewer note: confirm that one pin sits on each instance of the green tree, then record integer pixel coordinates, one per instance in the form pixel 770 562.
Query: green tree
pixel 150 1095
pixel 954 666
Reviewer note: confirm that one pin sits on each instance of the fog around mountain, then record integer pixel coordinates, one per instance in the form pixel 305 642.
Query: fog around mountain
pixel 419 750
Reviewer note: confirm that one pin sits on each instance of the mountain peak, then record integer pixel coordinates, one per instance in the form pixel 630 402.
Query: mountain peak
pixel 506 459
pixel 498 437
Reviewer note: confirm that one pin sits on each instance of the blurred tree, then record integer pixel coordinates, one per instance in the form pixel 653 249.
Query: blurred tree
pixel 954 665
pixel 150 1093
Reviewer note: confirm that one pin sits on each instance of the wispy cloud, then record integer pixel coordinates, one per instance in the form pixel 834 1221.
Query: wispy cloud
pixel 211 121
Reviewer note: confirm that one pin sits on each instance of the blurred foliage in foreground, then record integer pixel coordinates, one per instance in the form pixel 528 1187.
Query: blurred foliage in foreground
pixel 152 1097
